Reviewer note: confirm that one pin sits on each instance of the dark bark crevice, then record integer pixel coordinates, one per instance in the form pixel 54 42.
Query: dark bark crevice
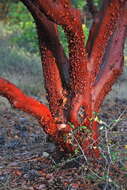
pixel 92 8
pixel 94 30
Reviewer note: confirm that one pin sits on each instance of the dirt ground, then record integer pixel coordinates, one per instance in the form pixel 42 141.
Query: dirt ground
pixel 30 161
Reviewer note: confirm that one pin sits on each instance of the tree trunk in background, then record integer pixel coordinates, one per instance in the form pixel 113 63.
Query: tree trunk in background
pixel 76 85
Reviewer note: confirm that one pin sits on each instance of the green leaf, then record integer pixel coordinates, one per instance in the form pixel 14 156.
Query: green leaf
pixel 71 125
pixel 83 127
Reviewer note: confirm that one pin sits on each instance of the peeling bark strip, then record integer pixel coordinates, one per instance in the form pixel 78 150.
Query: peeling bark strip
pixel 76 86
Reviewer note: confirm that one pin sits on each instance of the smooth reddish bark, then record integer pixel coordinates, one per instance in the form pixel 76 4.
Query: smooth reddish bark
pixel 76 86
pixel 27 104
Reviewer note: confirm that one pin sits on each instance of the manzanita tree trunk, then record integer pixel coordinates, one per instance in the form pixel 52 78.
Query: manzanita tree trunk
pixel 76 85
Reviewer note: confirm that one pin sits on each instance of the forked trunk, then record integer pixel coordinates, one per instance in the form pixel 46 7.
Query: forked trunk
pixel 76 86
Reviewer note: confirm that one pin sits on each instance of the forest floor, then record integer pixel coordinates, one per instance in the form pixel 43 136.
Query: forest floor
pixel 29 161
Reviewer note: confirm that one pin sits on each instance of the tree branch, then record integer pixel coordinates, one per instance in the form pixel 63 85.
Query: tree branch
pixel 28 104
pixel 113 61
pixel 97 20
pixel 105 31
pixel 48 38
pixel 56 96
pixel 62 13
pixel 50 33
pixel 40 111
pixel 69 18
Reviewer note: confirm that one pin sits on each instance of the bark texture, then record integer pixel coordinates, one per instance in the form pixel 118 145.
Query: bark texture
pixel 77 85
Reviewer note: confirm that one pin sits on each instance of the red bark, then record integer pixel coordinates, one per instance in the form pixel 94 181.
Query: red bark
pixel 32 106
pixel 27 104
pixel 77 86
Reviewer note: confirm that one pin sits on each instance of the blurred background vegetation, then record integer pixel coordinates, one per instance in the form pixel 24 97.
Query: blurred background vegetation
pixel 19 52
